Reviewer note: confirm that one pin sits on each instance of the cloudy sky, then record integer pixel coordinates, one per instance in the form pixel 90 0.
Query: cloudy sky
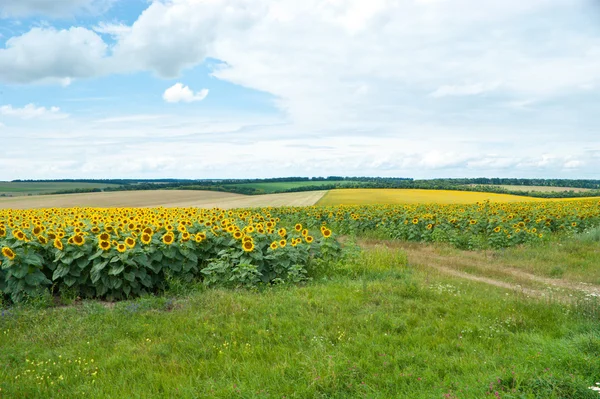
pixel 264 88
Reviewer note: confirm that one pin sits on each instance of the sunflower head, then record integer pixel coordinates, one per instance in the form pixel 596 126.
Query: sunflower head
pixel 104 237
pixel 58 244
pixel 121 247
pixel 309 239
pixel 282 243
pixel 42 240
pixel 168 238
pixel 8 253
pixel 146 238
pixel 282 232
pixel 104 245
pixel 298 227
pixel 248 246
pixel 78 240
pixel 274 245
pixel 130 242
pixel 326 233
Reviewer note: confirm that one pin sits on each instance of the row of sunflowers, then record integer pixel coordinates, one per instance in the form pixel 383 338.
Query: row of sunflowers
pixel 122 252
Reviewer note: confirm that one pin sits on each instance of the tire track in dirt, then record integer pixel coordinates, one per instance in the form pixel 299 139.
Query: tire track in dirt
pixel 427 256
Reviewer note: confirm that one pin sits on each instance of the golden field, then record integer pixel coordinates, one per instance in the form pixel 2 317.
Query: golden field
pixel 415 196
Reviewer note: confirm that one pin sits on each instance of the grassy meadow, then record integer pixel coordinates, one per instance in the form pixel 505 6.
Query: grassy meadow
pixel 383 318
pixel 372 326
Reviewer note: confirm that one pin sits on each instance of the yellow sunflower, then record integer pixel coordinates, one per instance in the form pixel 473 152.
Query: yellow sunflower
pixel 104 245
pixel 248 246
pixel 58 244
pixel 168 238
pixel 9 253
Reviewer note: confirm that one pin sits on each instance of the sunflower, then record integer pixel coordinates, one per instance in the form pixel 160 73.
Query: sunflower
pixel 168 238
pixel 104 237
pixel 185 236
pixel 429 226
pixel 104 245
pixel 305 232
pixel 9 253
pixel 78 240
pixel 146 238
pixel 472 221
pixel 238 235
pixel 274 245
pixel 326 233
pixel 2 232
pixel 148 231
pixel 121 247
pixel 282 232
pixel 130 242
pixel 574 224
pixel 497 229
pixel 248 246
pixel 282 243
pixel 200 237
pixel 415 221
pixel 42 240
pixel 309 239
pixel 95 230
pixel 298 227
pixel 58 244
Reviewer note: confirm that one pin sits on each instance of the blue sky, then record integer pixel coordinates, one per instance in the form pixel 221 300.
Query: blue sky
pixel 257 88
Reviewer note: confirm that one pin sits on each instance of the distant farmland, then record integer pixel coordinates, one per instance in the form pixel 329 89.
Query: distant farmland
pixel 26 188
pixel 543 189
pixel 273 187
pixel 166 198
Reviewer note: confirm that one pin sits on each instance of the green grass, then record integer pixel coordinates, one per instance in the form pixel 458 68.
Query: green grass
pixel 375 328
pixel 24 188
pixel 574 258
pixel 274 187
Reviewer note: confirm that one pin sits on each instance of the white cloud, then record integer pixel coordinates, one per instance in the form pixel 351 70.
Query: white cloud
pixel 358 79
pixel 52 8
pixel 30 111
pixel 53 55
pixel 464 90
pixel 178 93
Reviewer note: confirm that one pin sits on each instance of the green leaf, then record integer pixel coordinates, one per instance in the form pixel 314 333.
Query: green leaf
pixel 129 276
pixel 96 255
pixel 69 280
pixel 20 271
pixel 36 278
pixel 61 271
pixel 34 260
pixel 115 270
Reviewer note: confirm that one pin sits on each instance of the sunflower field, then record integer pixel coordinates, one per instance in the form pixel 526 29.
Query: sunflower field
pixel 115 253
pixel 473 226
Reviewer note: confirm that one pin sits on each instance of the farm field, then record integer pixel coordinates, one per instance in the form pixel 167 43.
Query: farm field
pixel 413 196
pixel 165 198
pixel 228 303
pixel 25 188
pixel 271 187
pixel 538 188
